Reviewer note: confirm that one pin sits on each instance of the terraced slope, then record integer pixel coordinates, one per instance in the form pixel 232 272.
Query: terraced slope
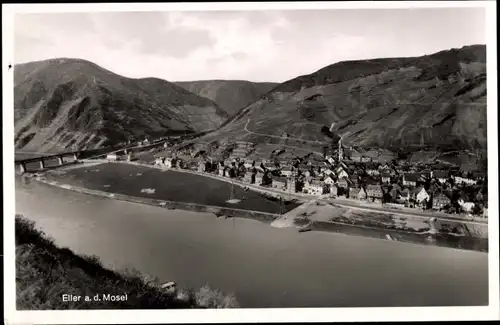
pixel 434 102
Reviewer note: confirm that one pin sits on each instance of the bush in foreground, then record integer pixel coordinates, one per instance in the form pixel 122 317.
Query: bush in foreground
pixel 45 272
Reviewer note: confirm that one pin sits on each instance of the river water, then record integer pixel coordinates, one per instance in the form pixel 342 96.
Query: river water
pixel 263 266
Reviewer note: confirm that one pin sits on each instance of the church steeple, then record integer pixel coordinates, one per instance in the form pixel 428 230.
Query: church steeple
pixel 340 150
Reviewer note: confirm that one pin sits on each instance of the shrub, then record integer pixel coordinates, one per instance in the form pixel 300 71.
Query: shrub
pixel 209 298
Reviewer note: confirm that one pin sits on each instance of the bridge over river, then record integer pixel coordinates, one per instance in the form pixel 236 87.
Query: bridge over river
pixel 43 161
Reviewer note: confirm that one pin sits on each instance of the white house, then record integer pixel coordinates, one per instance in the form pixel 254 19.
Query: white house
pixel 315 187
pixel 329 181
pixel 466 206
pixel 464 180
pixel 167 162
pixel 422 195
pixel 330 160
pixel 341 173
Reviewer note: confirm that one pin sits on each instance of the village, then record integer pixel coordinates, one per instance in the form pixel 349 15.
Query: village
pixel 437 187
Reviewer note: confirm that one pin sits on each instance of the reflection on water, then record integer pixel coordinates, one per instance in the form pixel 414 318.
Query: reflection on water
pixel 262 265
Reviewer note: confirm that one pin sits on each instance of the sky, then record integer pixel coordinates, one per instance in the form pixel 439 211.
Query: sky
pixel 269 45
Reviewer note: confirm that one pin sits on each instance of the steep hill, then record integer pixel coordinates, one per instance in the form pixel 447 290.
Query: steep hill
pixel 433 102
pixel 230 95
pixel 64 103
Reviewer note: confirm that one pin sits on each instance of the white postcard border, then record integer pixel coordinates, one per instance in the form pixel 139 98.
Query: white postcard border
pixel 12 316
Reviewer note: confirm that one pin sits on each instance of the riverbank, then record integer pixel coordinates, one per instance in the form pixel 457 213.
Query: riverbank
pixel 218 211
pixel 51 277
pixel 322 215
pixel 317 216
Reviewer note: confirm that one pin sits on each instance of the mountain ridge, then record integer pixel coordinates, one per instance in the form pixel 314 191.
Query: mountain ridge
pixel 64 102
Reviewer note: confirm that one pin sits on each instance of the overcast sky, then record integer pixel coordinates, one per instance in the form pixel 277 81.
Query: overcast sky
pixel 249 45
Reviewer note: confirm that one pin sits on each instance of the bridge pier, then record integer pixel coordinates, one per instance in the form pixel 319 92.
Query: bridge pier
pixel 42 164
pixel 60 160
pixel 22 168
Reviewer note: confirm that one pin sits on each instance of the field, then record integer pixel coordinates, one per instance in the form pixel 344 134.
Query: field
pixel 165 185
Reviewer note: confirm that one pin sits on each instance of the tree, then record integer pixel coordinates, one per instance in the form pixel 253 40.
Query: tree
pixel 477 210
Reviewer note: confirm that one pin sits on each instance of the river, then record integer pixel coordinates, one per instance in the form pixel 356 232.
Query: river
pixel 263 266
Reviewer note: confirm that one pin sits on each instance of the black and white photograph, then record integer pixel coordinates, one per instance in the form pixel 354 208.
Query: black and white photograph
pixel 286 161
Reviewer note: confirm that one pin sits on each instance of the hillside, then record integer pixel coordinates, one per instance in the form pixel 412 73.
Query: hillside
pixel 433 102
pixel 63 103
pixel 230 95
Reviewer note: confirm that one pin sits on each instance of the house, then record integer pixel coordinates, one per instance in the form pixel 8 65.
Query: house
pixel 329 181
pixel 386 178
pixel 466 206
pixel 315 187
pixel 330 160
pixel 441 176
pixel 328 172
pixel 341 173
pixel 291 184
pixel 201 166
pixel 394 192
pixel 158 161
pixel 333 190
pixel 478 176
pixel 279 183
pixel 353 193
pixel 222 171
pixel 404 195
pixel 343 182
pixel 259 177
pixel 357 193
pixel 179 163
pixel 167 162
pixel 374 192
pixel 464 180
pixel 354 180
pixel 372 171
pixel 439 201
pixel 248 177
pixel 410 179
pixel 421 195
pixel 248 164
pixel 362 194
pixel 287 171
